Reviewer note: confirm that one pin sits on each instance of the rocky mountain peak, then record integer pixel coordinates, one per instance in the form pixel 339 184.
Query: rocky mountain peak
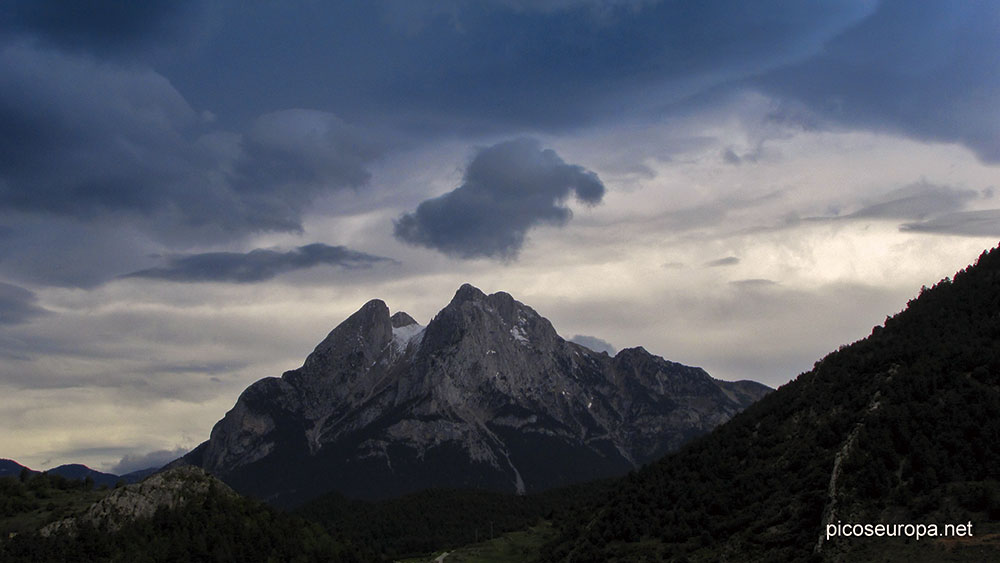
pixel 364 334
pixel 401 319
pixel 467 292
pixel 486 395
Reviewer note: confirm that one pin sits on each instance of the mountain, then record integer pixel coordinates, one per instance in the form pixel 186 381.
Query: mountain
pixel 486 396
pixel 900 428
pixel 78 471
pixel 81 472
pixel 9 467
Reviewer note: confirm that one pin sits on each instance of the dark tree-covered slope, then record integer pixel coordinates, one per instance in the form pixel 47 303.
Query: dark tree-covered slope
pixel 182 515
pixel 901 427
pixel 443 519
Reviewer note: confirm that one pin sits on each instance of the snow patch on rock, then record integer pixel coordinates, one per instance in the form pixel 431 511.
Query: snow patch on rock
pixel 404 335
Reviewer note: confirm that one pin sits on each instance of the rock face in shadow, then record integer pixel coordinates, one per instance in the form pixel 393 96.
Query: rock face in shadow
pixel 487 395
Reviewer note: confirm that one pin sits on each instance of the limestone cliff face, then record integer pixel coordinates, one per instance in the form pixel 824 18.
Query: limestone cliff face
pixel 486 395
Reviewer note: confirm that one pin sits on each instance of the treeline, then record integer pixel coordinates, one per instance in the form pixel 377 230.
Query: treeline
pixel 32 490
pixel 217 527
pixel 221 526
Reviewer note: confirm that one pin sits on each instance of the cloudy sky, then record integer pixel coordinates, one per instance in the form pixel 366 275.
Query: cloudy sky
pixel 192 194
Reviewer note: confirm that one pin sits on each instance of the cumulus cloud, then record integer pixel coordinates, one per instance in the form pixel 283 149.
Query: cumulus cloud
pixel 155 459
pixel 288 157
pixel 257 265
pixel 594 343
pixel 17 304
pixel 89 140
pixel 507 189
pixel 114 154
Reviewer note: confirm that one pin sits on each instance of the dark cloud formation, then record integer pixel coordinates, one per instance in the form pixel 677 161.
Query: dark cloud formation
pixel 255 266
pixel 594 343
pixel 96 142
pixel 981 223
pixel 102 25
pixel 495 65
pixel 507 189
pixel 17 305
pixel 916 201
pixel 924 69
pixel 188 144
pixel 727 261
pixel 930 208
pixel 137 462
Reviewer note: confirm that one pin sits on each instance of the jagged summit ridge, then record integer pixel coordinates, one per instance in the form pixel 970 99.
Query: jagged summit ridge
pixel 487 394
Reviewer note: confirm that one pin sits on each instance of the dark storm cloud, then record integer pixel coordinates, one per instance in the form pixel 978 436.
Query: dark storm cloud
pixel 91 141
pixel 507 189
pixel 103 25
pixel 17 305
pixel 924 69
pixel 256 265
pixel 567 63
pixel 727 261
pixel 494 65
pixel 289 157
pixel 982 223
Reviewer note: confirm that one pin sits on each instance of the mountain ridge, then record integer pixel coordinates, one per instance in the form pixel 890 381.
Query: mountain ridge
pixel 486 395
pixel 9 467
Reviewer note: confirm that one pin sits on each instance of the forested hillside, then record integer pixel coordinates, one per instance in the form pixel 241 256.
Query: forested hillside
pixel 216 526
pixel 901 427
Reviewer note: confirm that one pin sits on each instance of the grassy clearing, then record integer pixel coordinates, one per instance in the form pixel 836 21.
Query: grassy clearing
pixel 42 500
pixel 514 547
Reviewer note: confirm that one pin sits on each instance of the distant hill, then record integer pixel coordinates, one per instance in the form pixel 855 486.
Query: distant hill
pixel 82 472
pixel 10 467
pixel 901 427
pixel 78 471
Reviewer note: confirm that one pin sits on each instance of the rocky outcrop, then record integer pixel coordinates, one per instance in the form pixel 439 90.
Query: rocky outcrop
pixel 486 395
pixel 170 489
